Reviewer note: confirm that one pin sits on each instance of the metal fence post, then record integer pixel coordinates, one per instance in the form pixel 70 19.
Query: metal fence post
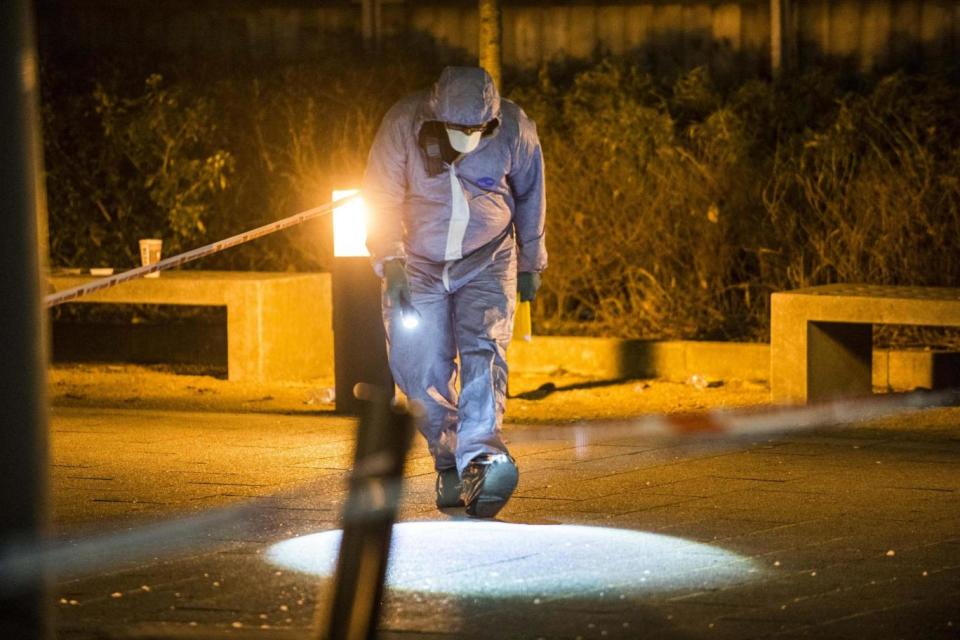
pixel 383 438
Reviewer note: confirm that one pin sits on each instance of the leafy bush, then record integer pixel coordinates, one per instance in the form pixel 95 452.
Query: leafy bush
pixel 202 152
pixel 124 168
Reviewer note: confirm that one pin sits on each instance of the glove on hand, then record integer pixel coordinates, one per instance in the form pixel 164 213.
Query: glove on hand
pixel 527 284
pixel 398 288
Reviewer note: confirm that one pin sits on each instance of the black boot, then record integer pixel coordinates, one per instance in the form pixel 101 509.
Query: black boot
pixel 448 489
pixel 488 482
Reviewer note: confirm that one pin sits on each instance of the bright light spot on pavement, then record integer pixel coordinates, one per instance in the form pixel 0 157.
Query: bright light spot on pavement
pixel 500 559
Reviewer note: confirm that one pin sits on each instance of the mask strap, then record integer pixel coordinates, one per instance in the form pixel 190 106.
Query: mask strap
pixel 430 144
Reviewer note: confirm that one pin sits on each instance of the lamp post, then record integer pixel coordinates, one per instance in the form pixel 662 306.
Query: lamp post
pixel 359 341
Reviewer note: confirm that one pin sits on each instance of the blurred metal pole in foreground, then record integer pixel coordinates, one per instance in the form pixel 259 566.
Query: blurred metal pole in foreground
pixel 383 437
pixel 490 39
pixel 22 389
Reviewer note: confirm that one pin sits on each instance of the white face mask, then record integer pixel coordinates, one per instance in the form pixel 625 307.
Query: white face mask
pixel 463 142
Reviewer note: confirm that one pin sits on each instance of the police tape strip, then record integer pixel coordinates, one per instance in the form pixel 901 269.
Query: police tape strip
pixel 22 564
pixel 747 422
pixel 73 293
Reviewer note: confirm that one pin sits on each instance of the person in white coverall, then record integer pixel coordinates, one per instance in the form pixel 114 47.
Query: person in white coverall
pixel 455 189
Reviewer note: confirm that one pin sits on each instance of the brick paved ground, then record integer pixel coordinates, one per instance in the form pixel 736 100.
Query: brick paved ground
pixel 835 534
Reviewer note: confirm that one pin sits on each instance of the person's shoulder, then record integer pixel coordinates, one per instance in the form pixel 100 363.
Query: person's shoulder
pixel 510 111
pixel 515 121
pixel 407 107
pixel 401 119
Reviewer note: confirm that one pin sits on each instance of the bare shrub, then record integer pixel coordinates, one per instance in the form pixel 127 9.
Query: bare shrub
pixel 675 211
pixel 874 196
pixel 646 189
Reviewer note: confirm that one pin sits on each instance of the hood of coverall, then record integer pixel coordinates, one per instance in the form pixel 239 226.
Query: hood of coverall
pixel 465 96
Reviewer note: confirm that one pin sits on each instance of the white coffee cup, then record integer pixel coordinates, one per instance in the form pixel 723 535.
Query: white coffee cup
pixel 150 254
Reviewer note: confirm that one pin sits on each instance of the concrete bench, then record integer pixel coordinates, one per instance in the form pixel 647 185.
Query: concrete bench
pixel 279 325
pixel 821 338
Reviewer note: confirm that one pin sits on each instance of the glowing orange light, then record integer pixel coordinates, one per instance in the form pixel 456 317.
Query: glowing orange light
pixel 349 226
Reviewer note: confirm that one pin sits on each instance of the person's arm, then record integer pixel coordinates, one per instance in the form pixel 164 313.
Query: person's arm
pixel 384 188
pixel 527 182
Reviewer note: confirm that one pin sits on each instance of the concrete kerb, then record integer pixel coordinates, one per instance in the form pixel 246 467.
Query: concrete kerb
pixel 613 358
pixel 678 360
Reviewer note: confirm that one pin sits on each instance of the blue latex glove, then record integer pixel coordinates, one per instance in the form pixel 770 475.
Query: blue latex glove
pixel 398 288
pixel 527 284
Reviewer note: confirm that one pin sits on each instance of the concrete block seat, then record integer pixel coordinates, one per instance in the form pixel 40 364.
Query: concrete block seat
pixel 821 338
pixel 279 325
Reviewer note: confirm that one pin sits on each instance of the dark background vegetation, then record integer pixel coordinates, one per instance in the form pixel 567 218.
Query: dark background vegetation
pixel 678 198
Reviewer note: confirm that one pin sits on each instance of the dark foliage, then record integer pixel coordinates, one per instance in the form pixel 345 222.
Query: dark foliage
pixel 675 207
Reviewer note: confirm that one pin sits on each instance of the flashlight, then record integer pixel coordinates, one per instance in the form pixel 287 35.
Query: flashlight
pixel 409 316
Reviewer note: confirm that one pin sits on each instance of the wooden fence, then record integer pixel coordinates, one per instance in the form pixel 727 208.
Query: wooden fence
pixel 866 33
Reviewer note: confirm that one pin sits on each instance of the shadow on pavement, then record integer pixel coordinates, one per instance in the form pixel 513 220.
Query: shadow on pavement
pixel 549 388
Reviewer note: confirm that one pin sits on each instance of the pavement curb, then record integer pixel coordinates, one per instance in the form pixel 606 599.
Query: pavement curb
pixel 680 359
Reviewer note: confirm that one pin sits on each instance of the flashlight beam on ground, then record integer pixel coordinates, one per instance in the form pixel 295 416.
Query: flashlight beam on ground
pixel 73 293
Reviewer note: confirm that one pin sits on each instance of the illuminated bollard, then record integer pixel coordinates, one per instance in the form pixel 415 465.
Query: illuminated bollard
pixel 359 341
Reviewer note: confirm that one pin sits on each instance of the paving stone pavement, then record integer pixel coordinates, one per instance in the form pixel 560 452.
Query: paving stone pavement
pixel 844 533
